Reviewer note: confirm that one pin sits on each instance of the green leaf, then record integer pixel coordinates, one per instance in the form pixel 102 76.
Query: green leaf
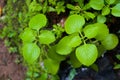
pixel 66 44
pixel 116 10
pixel 46 37
pixel 90 15
pixel 74 40
pixel 72 74
pixel 110 1
pixel 118 56
pixel 34 6
pixel 97 4
pixel 117 66
pixel 105 10
pixel 54 56
pixel 101 19
pixel 51 66
pixel 90 31
pixel 94 67
pixel 74 23
pixel 43 76
pixel 103 31
pixel 70 6
pixel 60 7
pixel 101 50
pixel 30 52
pixel 38 21
pixel 110 41
pixel 27 35
pixel 74 61
pixel 62 47
pixel 87 54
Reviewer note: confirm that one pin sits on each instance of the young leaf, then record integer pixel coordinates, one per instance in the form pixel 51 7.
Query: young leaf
pixel 31 52
pixel 70 6
pixel 116 10
pixel 27 35
pixel 87 54
pixel 38 21
pixel 74 40
pixel 90 15
pixel 74 23
pixel 46 37
pixel 51 66
pixel 62 47
pixel 101 19
pixel 90 31
pixel 103 31
pixel 34 6
pixel 110 41
pixel 110 1
pixel 97 4
pixel 105 10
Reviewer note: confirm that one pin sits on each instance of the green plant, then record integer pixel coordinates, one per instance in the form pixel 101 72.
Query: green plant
pixel 83 38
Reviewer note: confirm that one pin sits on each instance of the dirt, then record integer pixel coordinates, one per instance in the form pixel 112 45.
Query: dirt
pixel 9 69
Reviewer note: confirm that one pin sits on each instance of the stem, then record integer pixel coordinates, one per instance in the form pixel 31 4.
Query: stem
pixel 82 37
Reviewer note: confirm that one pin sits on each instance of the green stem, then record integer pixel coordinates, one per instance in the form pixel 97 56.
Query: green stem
pixel 82 37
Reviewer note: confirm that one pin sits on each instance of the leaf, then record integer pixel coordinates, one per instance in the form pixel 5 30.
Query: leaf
pixel 101 19
pixel 46 37
pixel 70 6
pixel 60 7
pixel 65 45
pixel 90 15
pixel 74 40
pixel 118 56
pixel 90 31
pixel 38 21
pixel 74 23
pixel 110 1
pixel 33 6
pixel 87 54
pixel 54 56
pixel 110 41
pixel 27 35
pixel 117 66
pixel 51 66
pixel 105 10
pixel 62 47
pixel 103 31
pixel 72 74
pixel 43 76
pixel 30 52
pixel 101 50
pixel 74 61
pixel 97 4
pixel 116 10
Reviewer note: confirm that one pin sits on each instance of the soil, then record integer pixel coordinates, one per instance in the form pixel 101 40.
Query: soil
pixel 9 69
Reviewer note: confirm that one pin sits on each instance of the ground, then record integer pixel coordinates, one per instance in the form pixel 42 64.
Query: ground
pixel 9 69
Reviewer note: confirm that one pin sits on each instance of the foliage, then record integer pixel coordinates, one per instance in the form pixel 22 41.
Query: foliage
pixel 82 39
